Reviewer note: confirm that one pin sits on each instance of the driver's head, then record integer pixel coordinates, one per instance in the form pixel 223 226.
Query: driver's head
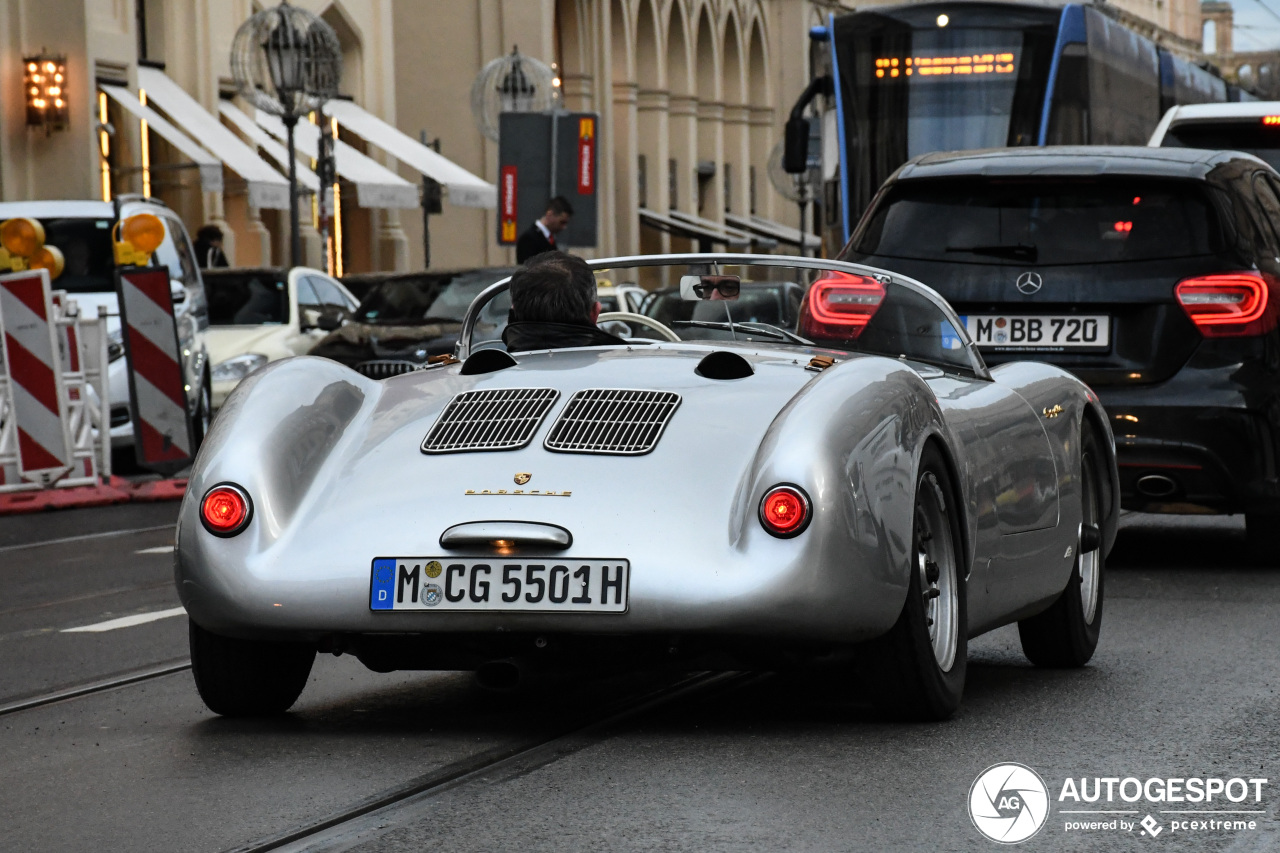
pixel 554 288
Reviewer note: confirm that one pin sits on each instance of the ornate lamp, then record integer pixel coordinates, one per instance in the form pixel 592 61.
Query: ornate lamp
pixel 44 80
pixel 287 62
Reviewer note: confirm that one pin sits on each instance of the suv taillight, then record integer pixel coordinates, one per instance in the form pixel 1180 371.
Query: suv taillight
pixel 1228 305
pixel 839 306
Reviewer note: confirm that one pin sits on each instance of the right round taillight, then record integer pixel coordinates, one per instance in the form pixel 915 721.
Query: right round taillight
pixel 785 511
pixel 226 510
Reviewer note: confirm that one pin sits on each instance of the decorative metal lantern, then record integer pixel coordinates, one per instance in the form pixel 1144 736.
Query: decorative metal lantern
pixel 512 83
pixel 44 80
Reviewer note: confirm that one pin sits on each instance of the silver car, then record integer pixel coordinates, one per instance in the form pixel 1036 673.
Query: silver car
pixel 860 493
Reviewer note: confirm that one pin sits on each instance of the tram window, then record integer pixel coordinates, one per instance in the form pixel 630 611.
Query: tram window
pixel 1040 222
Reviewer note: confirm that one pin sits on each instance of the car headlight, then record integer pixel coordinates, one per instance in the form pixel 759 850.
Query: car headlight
pixel 115 345
pixel 235 369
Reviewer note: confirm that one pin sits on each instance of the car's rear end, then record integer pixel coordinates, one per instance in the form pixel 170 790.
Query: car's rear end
pixel 1135 273
pixel 1249 126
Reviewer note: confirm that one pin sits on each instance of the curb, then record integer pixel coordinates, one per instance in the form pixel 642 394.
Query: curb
pixel 117 490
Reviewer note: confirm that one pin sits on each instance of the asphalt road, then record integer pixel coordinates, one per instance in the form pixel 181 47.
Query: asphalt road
pixel 1183 686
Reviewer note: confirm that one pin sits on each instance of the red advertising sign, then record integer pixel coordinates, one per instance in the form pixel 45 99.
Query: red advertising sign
pixel 507 204
pixel 586 156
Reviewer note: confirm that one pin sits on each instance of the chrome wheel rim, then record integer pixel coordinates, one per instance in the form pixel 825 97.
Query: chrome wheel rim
pixel 1090 564
pixel 935 564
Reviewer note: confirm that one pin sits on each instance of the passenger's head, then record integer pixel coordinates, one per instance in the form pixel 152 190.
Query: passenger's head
pixel 554 287
pixel 557 215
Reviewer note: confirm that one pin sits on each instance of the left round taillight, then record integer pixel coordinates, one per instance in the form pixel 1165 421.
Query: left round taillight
pixel 785 511
pixel 226 509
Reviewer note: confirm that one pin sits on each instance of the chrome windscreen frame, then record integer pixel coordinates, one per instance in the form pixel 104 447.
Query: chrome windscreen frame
pixel 884 276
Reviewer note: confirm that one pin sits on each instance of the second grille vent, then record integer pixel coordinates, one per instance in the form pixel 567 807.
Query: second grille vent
pixel 386 368
pixel 498 419
pixel 612 420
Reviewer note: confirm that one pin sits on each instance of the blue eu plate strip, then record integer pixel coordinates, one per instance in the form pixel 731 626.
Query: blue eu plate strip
pixel 383 587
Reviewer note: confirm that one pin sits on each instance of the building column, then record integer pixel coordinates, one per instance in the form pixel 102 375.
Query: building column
pixel 682 118
pixel 762 140
pixel 391 246
pixel 626 222
pixel 737 154
pixel 654 142
pixel 710 118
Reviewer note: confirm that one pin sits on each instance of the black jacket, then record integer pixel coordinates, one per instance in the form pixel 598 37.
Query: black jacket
pixel 525 335
pixel 209 255
pixel 532 243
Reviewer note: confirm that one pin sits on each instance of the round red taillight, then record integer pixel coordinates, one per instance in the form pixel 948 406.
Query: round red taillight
pixel 784 511
pixel 225 510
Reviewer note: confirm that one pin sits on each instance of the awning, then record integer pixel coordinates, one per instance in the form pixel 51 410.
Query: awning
pixel 465 189
pixel 736 237
pixel 307 179
pixel 210 166
pixel 376 185
pixel 267 187
pixel 774 230
pixel 692 227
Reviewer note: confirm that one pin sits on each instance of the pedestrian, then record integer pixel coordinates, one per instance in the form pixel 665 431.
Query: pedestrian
pixel 554 305
pixel 208 247
pixel 541 235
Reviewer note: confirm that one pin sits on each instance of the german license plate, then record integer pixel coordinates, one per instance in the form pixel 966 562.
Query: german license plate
pixel 1040 331
pixel 486 584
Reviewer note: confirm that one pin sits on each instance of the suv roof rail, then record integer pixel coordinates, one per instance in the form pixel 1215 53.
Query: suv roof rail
pixel 132 197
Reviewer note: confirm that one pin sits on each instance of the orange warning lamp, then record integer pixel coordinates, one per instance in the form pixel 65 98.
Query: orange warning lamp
pixel 22 247
pixel 140 235
pixel 48 258
pixel 21 237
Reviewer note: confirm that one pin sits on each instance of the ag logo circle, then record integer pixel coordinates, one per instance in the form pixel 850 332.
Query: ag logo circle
pixel 1008 803
pixel 1029 283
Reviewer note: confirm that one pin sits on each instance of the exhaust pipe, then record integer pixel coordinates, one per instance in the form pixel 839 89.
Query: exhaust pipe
pixel 498 675
pixel 1157 485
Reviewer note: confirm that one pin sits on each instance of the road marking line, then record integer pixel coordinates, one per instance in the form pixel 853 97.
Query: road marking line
pixel 64 540
pixel 162 549
pixel 127 621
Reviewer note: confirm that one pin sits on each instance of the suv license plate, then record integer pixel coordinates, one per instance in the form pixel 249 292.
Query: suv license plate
pixel 1040 331
pixel 484 584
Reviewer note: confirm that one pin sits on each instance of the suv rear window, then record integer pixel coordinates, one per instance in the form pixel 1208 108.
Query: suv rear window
pixel 1249 136
pixel 1041 222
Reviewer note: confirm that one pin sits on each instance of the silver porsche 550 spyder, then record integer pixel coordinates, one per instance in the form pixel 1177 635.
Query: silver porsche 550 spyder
pixel 715 490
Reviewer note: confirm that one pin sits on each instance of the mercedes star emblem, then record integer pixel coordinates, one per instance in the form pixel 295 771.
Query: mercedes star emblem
pixel 1029 283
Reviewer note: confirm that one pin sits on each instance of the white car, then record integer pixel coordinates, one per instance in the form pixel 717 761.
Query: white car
pixel 260 315
pixel 82 230
pixel 1250 126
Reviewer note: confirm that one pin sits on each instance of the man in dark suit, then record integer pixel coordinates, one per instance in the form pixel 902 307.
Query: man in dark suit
pixel 541 235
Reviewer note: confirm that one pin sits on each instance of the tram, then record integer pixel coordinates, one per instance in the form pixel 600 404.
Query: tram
pixel 908 80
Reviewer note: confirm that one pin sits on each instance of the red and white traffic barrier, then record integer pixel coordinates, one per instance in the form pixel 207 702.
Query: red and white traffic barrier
pixel 36 395
pixel 53 382
pixel 157 387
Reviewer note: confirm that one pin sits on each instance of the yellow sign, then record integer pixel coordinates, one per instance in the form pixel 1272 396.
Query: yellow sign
pixel 508 231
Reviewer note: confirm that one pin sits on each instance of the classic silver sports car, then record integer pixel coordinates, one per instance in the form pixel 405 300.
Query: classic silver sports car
pixel 860 491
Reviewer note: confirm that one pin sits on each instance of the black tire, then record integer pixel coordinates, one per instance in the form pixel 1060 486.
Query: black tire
pixel 248 678
pixel 202 419
pixel 1066 635
pixel 1262 535
pixel 905 676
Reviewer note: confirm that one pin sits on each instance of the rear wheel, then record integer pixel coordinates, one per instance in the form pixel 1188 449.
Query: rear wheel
pixel 917 670
pixel 243 678
pixel 1066 634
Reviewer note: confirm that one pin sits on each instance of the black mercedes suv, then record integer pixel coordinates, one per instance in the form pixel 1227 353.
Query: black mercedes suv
pixel 1153 274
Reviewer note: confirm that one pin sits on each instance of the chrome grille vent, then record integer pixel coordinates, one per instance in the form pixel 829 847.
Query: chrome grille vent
pixel 612 420
pixel 384 368
pixel 499 419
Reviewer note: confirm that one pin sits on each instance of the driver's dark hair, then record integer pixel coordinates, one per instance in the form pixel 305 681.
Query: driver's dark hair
pixel 553 287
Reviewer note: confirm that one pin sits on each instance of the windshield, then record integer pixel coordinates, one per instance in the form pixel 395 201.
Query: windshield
pixel 808 308
pixel 910 86
pixel 1040 222
pixel 409 300
pixel 247 297
pixel 86 247
pixel 1248 135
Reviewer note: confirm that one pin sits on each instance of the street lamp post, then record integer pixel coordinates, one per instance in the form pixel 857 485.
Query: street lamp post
pixel 287 62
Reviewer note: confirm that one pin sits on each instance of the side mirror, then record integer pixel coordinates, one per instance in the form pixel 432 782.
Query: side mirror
pixel 694 288
pixel 795 151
